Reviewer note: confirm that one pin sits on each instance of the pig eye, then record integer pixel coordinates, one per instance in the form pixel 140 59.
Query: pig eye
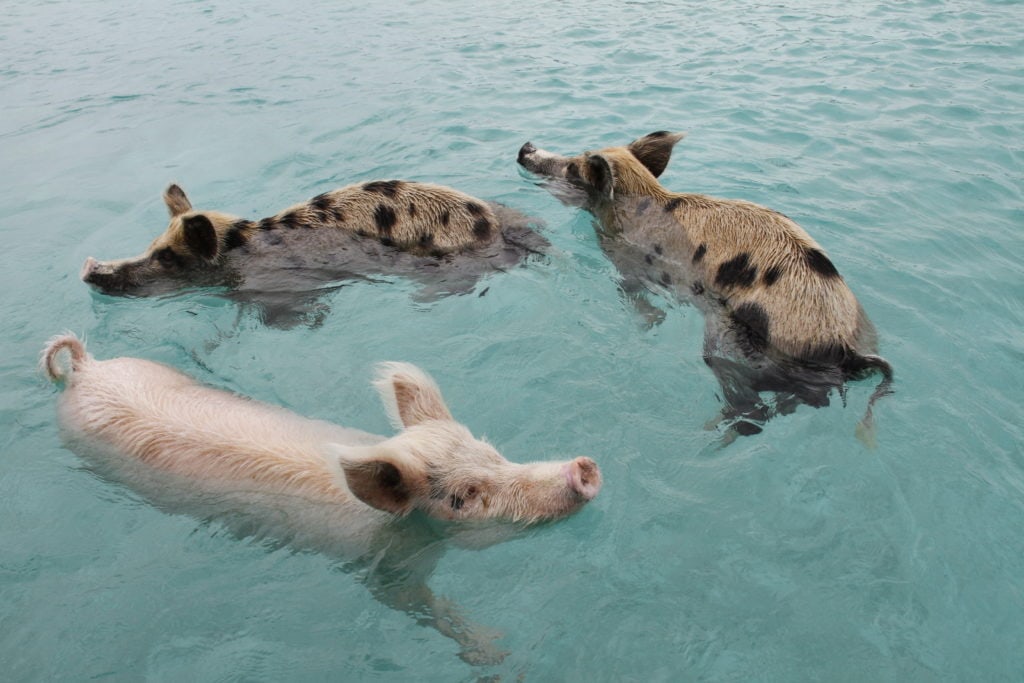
pixel 457 502
pixel 167 257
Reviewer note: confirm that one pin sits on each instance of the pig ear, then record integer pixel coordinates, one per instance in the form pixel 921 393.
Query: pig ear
pixel 200 236
pixel 655 149
pixel 176 201
pixel 600 174
pixel 410 396
pixel 373 479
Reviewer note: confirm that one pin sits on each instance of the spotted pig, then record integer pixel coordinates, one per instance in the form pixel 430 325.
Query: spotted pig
pixel 779 316
pixel 437 235
pixel 264 470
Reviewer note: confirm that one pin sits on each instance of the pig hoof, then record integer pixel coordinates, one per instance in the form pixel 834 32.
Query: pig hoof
pixel 483 654
pixel 744 428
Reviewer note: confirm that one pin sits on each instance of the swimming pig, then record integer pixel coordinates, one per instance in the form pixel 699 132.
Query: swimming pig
pixel 779 317
pixel 440 236
pixel 261 469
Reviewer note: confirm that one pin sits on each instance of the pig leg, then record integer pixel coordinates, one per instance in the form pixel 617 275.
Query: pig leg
pixel 634 289
pixel 415 598
pixel 744 411
pixel 476 643
pixel 285 310
pixel 634 293
pixel 396 575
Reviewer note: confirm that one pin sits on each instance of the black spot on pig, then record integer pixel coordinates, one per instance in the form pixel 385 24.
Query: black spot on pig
pixel 752 326
pixel 412 210
pixel 698 255
pixel 267 224
pixel 482 228
pixel 236 236
pixel 666 279
pixel 736 272
pixel 446 217
pixel 322 202
pixel 388 188
pixel 322 208
pixel 820 263
pixel 384 217
pixel 649 259
pixel 426 240
pixel 658 250
pixel 771 276
pixel 289 220
pixel 673 204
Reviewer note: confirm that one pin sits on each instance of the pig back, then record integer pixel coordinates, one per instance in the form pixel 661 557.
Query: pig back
pixel 202 450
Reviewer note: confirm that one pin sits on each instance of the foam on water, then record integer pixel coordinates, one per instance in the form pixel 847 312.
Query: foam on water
pixel 892 134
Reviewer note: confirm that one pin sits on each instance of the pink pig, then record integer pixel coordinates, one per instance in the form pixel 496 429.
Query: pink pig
pixel 207 452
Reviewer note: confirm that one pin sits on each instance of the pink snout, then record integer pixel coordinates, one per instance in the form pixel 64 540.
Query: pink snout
pixel 583 476
pixel 89 268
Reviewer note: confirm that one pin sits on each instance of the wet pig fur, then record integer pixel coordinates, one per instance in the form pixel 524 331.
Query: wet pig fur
pixel 262 470
pixel 778 315
pixel 436 235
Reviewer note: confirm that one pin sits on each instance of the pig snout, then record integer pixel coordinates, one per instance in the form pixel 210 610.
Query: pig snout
pixel 583 477
pixel 525 151
pixel 99 275
pixel 97 272
pixel 90 268
pixel 109 278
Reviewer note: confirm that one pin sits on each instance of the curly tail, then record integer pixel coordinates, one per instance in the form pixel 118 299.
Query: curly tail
pixel 866 427
pixel 48 359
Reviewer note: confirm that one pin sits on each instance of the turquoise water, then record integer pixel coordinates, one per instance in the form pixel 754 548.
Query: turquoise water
pixel 892 134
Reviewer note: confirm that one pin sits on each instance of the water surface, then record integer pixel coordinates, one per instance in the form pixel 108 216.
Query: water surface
pixel 892 134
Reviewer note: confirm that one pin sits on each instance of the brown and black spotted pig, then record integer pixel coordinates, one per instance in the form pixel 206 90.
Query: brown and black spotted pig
pixel 426 232
pixel 779 317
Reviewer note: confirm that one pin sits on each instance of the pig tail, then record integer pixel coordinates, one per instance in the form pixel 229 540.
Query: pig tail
pixel 48 360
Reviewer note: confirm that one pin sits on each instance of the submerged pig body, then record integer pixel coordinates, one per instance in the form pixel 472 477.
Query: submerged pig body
pixel 392 227
pixel 144 422
pixel 778 315
pixel 262 470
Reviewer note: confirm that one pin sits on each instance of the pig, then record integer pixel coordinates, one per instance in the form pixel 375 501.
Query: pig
pixel 433 234
pixel 263 470
pixel 779 317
